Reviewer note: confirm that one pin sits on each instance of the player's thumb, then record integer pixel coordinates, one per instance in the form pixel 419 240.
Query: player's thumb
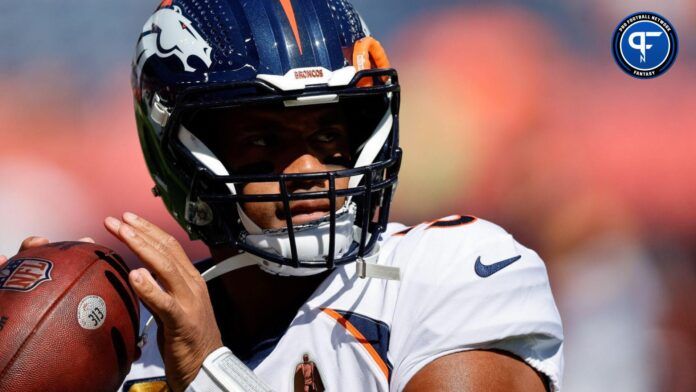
pixel 32 242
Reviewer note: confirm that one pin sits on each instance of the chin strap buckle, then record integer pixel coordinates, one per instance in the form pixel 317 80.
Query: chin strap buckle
pixel 371 270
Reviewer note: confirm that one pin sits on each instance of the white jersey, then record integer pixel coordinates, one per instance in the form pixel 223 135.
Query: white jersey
pixel 465 284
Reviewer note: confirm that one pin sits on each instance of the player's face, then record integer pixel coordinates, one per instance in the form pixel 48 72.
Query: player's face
pixel 287 140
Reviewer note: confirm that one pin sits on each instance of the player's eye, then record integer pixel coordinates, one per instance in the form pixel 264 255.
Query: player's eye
pixel 259 142
pixel 327 135
pixel 262 141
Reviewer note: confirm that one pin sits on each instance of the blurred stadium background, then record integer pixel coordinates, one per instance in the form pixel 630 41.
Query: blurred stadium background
pixel 512 111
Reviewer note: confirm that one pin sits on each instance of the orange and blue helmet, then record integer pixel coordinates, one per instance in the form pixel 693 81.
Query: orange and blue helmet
pixel 195 56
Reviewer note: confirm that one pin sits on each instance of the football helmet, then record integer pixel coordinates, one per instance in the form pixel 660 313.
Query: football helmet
pixel 197 56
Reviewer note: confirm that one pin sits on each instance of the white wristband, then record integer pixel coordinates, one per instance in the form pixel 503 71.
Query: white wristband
pixel 223 371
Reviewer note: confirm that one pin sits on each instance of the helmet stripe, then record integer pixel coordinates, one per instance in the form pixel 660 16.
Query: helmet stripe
pixel 290 13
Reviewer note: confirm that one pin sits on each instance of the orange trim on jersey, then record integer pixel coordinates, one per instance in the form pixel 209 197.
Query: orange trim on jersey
pixel 290 13
pixel 454 218
pixel 165 3
pixel 434 223
pixel 360 338
pixel 403 232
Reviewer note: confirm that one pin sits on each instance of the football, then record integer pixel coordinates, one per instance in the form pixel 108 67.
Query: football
pixel 68 319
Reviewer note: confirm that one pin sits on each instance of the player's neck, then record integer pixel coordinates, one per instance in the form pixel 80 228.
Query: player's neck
pixel 263 304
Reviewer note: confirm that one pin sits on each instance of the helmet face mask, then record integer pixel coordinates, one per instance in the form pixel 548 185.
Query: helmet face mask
pixel 204 191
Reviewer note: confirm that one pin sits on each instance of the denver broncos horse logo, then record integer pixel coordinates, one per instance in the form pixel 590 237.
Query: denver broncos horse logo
pixel 169 33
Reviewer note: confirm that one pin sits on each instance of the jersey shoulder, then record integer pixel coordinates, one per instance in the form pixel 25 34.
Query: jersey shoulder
pixel 462 253
pixel 467 284
pixel 446 240
pixel 452 227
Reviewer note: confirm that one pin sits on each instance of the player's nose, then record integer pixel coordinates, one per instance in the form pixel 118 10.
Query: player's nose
pixel 305 163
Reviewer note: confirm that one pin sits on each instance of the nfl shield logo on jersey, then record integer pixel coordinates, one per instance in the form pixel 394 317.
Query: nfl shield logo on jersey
pixel 25 274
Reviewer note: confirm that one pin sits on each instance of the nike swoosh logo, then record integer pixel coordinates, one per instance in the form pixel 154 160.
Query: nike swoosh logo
pixel 485 271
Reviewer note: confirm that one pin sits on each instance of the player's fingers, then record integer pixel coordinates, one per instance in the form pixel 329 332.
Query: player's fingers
pixel 163 266
pixel 152 242
pixel 166 244
pixel 87 239
pixel 162 305
pixel 162 240
pixel 3 261
pixel 188 283
pixel 32 242
pixel 165 240
pixel 113 225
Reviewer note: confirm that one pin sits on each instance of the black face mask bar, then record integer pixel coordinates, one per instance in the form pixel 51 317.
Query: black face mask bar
pixel 211 208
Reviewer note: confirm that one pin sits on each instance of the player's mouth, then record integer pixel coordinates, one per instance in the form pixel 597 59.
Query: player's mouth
pixel 306 211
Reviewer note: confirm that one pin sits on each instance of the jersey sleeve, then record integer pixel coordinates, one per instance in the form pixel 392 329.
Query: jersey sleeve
pixel 464 288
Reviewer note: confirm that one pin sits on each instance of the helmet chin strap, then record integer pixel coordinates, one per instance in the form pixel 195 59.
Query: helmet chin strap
pixel 312 240
pixel 366 267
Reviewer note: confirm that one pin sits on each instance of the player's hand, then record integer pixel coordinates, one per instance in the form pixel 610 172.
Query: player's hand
pixel 187 330
pixel 33 242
